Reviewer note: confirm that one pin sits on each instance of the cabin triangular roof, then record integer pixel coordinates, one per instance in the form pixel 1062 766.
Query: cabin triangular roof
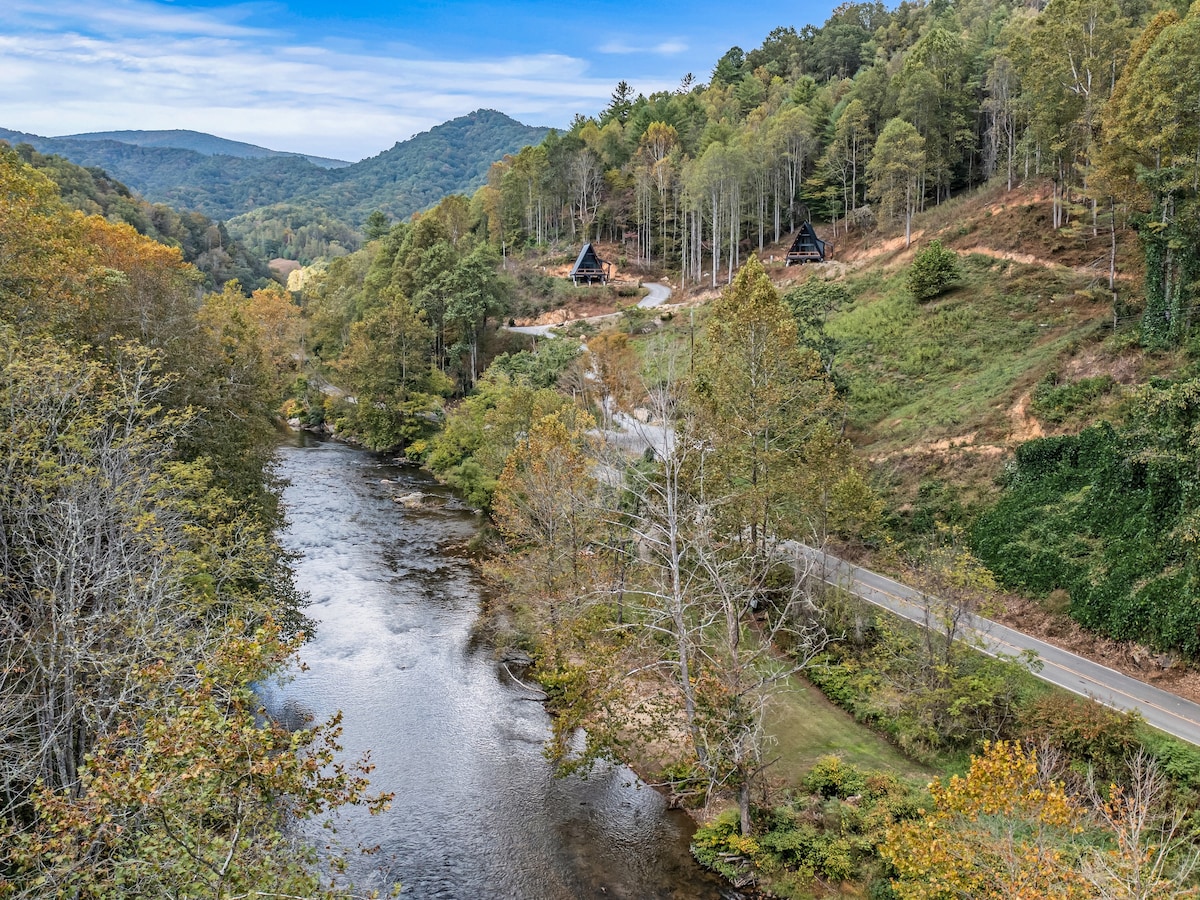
pixel 806 246
pixel 588 259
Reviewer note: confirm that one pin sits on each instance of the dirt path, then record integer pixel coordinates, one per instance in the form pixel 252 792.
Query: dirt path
pixel 659 294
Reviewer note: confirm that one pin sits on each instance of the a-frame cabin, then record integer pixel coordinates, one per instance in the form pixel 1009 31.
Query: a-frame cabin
pixel 589 267
pixel 807 247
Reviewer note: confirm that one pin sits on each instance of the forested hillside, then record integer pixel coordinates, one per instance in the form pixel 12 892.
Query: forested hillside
pixel 880 114
pixel 204 243
pixel 208 144
pixel 217 186
pixel 143 590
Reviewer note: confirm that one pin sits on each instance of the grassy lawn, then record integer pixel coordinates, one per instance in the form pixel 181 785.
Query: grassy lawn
pixel 807 726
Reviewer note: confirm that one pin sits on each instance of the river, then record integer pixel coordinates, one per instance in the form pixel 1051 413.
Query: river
pixel 478 812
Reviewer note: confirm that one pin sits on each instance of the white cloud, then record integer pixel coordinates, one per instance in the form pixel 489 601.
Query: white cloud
pixel 666 48
pixel 123 16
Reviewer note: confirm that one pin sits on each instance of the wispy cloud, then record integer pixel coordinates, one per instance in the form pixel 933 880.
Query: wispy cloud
pixel 120 16
pixel 666 48
pixel 135 64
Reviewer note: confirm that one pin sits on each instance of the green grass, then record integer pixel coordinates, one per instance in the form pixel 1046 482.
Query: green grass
pixel 807 726
pixel 920 372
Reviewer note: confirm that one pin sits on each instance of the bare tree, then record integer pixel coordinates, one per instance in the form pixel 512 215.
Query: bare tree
pixel 585 178
pixel 734 620
pixel 90 548
pixel 1154 855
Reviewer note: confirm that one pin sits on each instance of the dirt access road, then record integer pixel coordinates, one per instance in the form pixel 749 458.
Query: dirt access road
pixel 659 294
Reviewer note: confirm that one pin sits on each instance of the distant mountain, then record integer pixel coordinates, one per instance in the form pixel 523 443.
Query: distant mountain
pixel 205 144
pixel 218 186
pixel 453 157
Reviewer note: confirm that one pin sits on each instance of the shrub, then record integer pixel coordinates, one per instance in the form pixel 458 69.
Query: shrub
pixel 934 271
pixel 719 846
pixel 834 777
pixel 1055 401
pixel 1090 735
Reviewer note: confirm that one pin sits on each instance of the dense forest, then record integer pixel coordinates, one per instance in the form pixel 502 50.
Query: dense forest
pixel 882 113
pixel 143 587
pixel 204 243
pixel 207 144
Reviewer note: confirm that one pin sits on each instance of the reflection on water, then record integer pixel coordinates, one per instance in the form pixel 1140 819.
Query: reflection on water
pixel 477 811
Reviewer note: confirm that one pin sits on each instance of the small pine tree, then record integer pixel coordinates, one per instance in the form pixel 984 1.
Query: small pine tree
pixel 934 271
pixel 377 225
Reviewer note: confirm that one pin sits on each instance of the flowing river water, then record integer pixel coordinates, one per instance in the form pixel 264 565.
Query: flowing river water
pixel 478 812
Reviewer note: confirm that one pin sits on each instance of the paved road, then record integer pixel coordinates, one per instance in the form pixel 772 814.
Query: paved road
pixel 635 437
pixel 659 294
pixel 1163 710
pixel 536 330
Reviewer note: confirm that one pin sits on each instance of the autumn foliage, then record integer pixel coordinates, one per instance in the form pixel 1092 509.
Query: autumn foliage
pixel 142 591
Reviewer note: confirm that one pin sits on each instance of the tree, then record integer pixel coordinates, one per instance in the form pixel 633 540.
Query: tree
pixel 1075 49
pixel 190 795
pixel 470 450
pixel 782 53
pixel 1151 855
pixel 585 184
pixel 792 134
pixel 727 623
pixel 543 505
pixel 811 303
pixel 1004 830
pixel 747 613
pixel 933 98
pixel 1008 828
pixel 730 68
pixel 377 225
pixel 1002 107
pixel 655 160
pixel 89 547
pixel 476 292
pixel 43 261
pixel 1152 154
pixel 387 365
pixel 614 363
pixel 934 270
pixel 619 105
pixel 846 155
pixel 758 398
pixel 894 173
pixel 714 185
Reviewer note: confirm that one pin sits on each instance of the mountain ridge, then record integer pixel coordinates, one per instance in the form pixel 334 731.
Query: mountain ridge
pixel 201 142
pixel 453 157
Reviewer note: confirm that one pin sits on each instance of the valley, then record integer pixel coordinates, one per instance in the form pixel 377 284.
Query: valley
pixel 988 389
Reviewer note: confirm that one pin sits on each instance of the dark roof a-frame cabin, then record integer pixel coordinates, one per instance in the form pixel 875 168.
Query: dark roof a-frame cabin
pixel 589 267
pixel 807 247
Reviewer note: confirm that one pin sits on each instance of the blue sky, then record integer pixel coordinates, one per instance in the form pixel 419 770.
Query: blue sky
pixel 349 79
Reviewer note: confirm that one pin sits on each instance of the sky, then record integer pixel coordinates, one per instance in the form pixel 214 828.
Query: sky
pixel 348 79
